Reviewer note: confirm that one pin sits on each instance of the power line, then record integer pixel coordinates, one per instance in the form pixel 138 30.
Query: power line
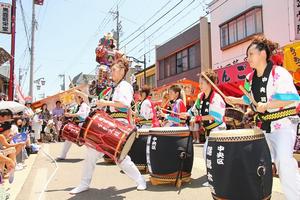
pixel 146 21
pixel 181 18
pixel 25 25
pixel 194 23
pixel 172 18
pixel 153 23
pixel 91 38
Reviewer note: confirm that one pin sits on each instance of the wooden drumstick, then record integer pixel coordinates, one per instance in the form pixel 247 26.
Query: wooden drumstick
pixel 213 85
pixel 216 88
pixel 175 113
pixel 248 95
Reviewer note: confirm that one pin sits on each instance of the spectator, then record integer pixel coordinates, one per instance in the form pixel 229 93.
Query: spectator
pixel 45 115
pixel 37 125
pixel 58 113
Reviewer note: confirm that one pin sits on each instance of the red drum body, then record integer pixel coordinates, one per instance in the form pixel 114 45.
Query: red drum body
pixel 70 132
pixel 107 135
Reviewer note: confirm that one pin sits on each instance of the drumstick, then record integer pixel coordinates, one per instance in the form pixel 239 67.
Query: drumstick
pixel 248 95
pixel 213 85
pixel 175 113
pixel 216 88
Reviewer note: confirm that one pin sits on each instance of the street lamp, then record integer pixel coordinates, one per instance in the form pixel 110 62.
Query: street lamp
pixel 133 59
pixel 39 82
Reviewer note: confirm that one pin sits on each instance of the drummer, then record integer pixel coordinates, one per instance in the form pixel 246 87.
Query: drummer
pixel 178 106
pixel 209 109
pixel 83 110
pixel 144 112
pixel 273 89
pixel 119 102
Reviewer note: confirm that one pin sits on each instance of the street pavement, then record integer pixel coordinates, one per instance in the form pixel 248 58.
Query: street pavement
pixel 53 181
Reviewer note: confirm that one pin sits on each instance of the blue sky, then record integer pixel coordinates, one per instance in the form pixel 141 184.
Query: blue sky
pixel 68 32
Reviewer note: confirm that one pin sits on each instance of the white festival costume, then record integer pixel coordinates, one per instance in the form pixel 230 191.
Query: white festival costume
pixel 123 93
pixel 82 113
pixel 282 137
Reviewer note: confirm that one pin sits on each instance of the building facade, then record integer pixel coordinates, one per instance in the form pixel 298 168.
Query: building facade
pixel 149 73
pixel 185 55
pixel 234 23
pixel 4 79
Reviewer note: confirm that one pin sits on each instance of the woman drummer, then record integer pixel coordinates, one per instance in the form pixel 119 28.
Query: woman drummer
pixel 273 89
pixel 178 106
pixel 209 108
pixel 144 109
pixel 117 106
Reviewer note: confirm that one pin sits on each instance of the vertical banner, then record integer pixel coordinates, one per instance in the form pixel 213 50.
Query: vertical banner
pixel 5 18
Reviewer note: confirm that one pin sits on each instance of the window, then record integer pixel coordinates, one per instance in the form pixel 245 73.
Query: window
pixel 161 70
pixel 258 20
pixel 150 81
pixel 232 32
pixel 179 62
pixel 192 57
pixel 185 63
pixel 241 30
pixel 173 64
pixel 250 23
pixel 244 25
pixel 167 67
pixel 224 35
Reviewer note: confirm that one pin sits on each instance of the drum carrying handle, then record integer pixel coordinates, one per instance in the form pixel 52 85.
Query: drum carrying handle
pixel 261 172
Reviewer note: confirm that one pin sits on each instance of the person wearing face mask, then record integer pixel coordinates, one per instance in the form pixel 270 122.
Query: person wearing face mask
pixel 79 116
pixel 121 96
pixel 272 89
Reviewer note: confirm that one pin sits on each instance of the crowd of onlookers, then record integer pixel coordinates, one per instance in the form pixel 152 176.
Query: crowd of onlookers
pixel 21 133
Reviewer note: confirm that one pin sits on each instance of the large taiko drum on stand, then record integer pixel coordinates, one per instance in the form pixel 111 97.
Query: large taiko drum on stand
pixel 107 135
pixel 239 165
pixel 165 148
pixel 137 152
pixel 70 131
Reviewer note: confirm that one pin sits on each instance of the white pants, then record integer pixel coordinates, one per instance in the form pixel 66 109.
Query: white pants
pixel 281 143
pixel 92 156
pixel 65 149
pixel 37 134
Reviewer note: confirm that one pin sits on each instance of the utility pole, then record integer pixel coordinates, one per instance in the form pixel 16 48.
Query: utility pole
pixel 63 86
pixel 145 82
pixel 20 76
pixel 12 52
pixel 32 50
pixel 118 27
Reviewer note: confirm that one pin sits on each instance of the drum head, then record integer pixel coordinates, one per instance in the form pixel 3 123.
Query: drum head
pixel 169 129
pixel 143 131
pixel 236 135
pixel 127 146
